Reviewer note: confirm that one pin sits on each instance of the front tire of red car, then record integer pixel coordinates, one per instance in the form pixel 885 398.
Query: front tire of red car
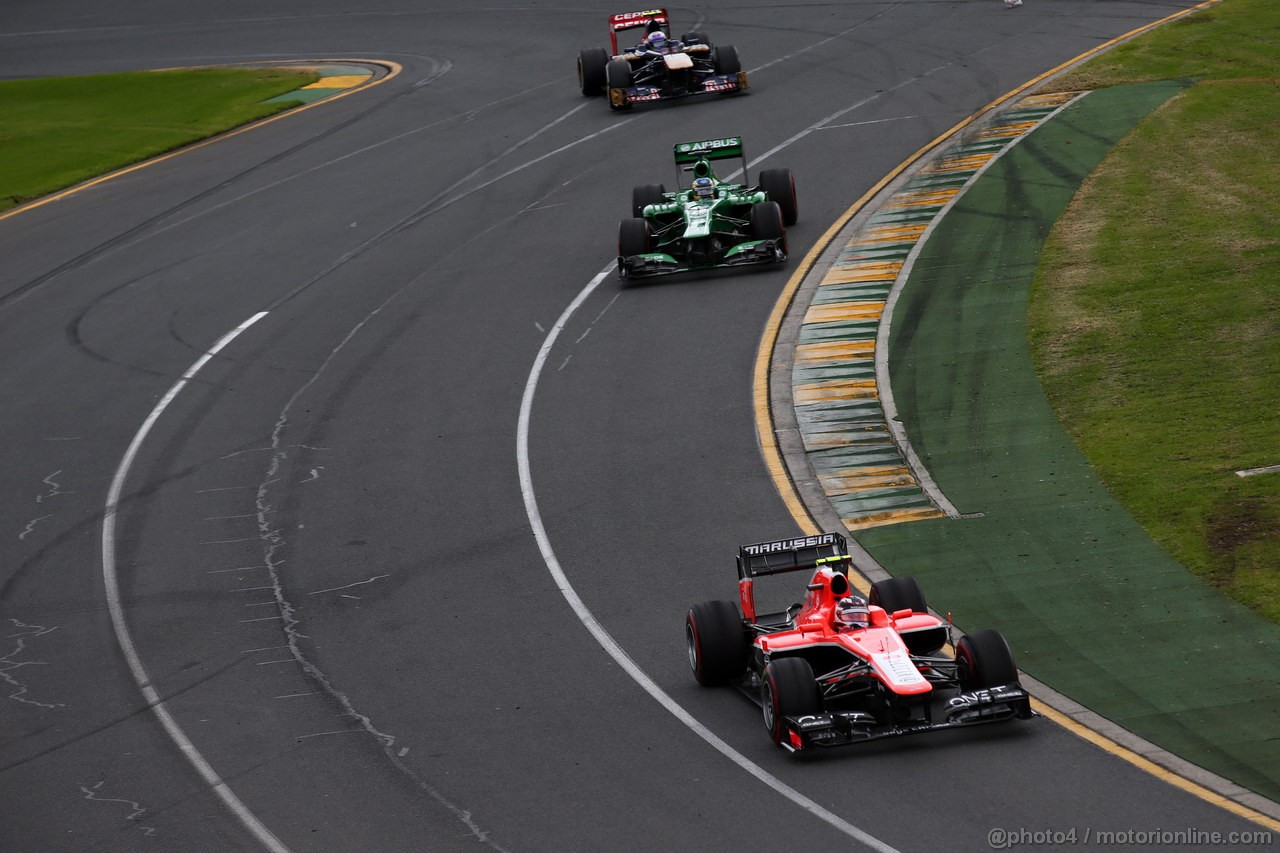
pixel 717 641
pixel 984 659
pixel 787 689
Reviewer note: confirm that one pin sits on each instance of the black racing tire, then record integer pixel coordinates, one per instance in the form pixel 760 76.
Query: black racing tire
pixel 591 65
pixel 695 37
pixel 780 186
pixel 635 237
pixel 725 59
pixel 787 689
pixel 766 221
pixel 618 76
pixel 984 659
pixel 645 195
pixel 894 594
pixel 718 642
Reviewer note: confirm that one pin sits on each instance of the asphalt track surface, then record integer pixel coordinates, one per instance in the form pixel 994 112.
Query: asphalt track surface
pixel 324 555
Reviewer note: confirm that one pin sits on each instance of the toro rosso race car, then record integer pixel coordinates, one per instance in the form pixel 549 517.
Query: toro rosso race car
pixel 838 669
pixel 710 223
pixel 658 68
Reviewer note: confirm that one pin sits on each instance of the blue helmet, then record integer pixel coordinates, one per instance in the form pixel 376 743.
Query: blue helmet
pixel 704 188
pixel 656 40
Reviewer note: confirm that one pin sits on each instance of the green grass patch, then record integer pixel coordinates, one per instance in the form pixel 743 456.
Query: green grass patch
pixel 1155 314
pixel 1236 39
pixel 55 133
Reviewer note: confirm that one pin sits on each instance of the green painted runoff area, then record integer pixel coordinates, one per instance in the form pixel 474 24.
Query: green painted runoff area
pixel 1090 604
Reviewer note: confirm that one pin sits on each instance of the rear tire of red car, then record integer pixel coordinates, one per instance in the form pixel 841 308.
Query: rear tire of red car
pixel 718 642
pixel 618 76
pixel 635 237
pixel 591 66
pixel 725 59
pixel 984 659
pixel 896 594
pixel 766 222
pixel 787 689
pixel 645 195
pixel 780 186
pixel 696 37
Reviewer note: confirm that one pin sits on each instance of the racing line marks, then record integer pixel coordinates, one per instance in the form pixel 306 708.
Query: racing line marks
pixel 55 488
pixel 31 525
pixel 138 809
pixel 348 586
pixel 10 664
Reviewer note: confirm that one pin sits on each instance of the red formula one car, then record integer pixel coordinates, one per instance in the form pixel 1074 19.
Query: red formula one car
pixel 838 669
pixel 659 67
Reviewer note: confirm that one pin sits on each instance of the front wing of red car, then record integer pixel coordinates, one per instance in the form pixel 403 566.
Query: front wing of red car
pixel 841 728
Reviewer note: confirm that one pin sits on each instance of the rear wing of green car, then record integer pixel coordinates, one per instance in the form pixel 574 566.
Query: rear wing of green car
pixel 696 156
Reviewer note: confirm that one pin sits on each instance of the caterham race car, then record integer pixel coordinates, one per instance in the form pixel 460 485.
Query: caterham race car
pixel 839 669
pixel 710 223
pixel 659 67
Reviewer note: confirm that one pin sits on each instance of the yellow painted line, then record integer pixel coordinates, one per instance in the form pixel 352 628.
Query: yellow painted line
pixel 1000 133
pixel 834 390
pixel 892 234
pixel 833 440
pixel 967 163
pixel 844 311
pixel 1019 126
pixel 339 81
pixel 860 263
pixel 857 275
pixel 782 479
pixel 393 70
pixel 1052 99
pixel 917 197
pixel 934 199
pixel 854 481
pixel 893 516
pixel 809 354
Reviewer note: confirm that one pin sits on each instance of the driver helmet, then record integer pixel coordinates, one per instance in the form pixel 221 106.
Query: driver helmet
pixel 704 188
pixel 656 40
pixel 852 612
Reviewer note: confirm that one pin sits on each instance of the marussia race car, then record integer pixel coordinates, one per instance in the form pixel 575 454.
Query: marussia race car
pixel 710 223
pixel 821 684
pixel 658 68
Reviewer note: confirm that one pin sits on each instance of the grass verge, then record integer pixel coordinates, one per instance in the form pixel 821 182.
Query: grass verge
pixel 57 132
pixel 1155 313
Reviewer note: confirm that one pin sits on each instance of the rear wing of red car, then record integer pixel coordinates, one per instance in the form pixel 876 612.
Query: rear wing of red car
pixel 630 20
pixel 829 550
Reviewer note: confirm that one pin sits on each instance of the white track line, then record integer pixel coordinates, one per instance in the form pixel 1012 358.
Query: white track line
pixel 120 626
pixel 598 631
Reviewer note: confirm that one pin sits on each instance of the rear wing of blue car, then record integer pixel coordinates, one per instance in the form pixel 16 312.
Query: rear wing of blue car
pixel 695 156
pixel 793 555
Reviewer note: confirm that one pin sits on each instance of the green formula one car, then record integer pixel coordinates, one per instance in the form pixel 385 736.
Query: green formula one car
pixel 711 223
